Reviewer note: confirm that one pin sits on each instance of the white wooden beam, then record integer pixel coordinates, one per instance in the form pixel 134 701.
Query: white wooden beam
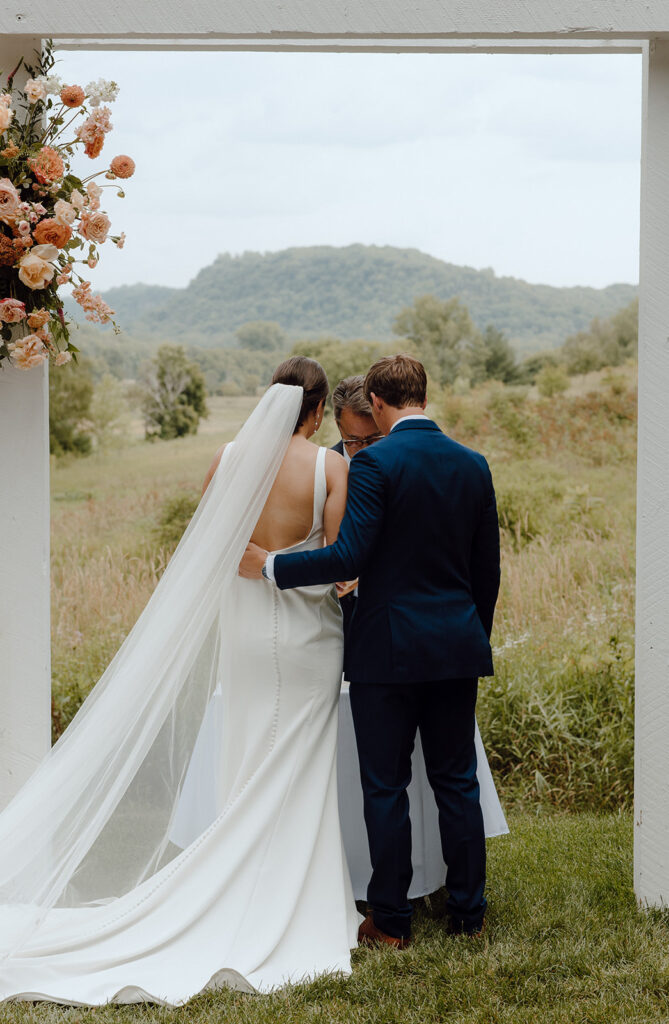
pixel 323 19
pixel 651 848
pixel 341 44
pixel 25 670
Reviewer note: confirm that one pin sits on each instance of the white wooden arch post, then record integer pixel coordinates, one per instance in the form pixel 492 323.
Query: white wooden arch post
pixel 25 684
pixel 484 26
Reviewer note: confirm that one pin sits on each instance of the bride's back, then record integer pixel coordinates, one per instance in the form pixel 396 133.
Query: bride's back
pixel 287 516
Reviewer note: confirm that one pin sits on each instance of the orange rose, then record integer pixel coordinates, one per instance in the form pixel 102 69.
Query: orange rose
pixel 72 95
pixel 122 166
pixel 47 166
pixel 49 231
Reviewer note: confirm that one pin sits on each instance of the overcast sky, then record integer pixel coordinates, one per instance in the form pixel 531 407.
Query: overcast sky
pixel 526 164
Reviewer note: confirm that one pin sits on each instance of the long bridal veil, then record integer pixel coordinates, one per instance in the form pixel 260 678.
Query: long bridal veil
pixel 95 819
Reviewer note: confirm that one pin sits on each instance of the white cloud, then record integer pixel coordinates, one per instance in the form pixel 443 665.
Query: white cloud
pixel 527 164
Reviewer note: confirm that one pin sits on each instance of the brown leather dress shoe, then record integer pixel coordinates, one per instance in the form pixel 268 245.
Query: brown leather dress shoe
pixel 370 935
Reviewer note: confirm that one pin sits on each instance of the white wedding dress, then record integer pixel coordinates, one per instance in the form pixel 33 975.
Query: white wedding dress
pixel 261 896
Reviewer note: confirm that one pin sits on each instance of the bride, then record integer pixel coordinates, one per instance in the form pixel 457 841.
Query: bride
pixel 100 900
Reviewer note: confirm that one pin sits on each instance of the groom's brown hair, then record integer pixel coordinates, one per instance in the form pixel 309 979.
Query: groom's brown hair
pixel 399 380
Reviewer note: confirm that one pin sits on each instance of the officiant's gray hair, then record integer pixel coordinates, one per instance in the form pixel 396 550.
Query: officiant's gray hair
pixel 350 394
pixel 310 376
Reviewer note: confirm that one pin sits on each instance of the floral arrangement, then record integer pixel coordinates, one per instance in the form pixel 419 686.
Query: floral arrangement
pixel 50 220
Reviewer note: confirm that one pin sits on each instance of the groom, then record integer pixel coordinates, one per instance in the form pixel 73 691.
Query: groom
pixel 421 532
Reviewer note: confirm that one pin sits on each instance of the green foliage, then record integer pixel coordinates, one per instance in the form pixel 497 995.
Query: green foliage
pixel 608 342
pixel 70 396
pixel 261 335
pixel 174 515
pixel 109 412
pixel 352 292
pixel 552 380
pixel 491 357
pixel 440 334
pixel 511 417
pixel 173 394
pixel 559 730
pixel 341 359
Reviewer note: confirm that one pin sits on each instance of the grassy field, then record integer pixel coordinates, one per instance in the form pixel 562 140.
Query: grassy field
pixel 565 945
pixel 557 717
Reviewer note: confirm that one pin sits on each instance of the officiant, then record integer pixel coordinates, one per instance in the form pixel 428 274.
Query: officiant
pixel 358 429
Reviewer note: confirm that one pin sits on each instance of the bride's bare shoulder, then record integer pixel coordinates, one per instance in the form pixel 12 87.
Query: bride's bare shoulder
pixel 336 469
pixel 214 466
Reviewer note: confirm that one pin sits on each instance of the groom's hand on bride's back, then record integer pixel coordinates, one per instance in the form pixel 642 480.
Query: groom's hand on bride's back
pixel 252 562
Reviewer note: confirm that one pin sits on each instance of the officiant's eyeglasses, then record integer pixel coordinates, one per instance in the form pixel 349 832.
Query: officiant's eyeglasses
pixel 354 444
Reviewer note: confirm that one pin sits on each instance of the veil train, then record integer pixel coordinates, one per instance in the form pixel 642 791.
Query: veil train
pixel 95 819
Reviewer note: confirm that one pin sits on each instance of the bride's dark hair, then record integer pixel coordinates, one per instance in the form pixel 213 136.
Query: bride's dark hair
pixel 307 374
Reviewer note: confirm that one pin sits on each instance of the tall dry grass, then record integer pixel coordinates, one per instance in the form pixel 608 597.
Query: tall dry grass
pixel 557 717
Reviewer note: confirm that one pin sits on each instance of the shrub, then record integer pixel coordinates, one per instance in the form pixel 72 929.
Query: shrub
pixel 552 380
pixel 173 517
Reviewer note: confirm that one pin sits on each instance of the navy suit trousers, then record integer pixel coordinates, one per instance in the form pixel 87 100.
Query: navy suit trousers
pixel 386 718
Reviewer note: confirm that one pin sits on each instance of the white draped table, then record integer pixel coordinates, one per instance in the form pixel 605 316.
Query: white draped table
pixel 428 864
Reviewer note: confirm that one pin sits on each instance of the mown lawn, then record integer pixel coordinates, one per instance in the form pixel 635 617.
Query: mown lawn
pixel 565 944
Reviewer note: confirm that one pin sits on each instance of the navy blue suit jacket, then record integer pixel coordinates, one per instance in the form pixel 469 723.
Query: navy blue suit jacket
pixel 421 532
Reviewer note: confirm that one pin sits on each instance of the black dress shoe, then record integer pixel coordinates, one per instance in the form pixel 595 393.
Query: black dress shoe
pixel 454 927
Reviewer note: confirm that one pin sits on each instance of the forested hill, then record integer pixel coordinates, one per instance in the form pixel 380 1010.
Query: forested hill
pixel 353 292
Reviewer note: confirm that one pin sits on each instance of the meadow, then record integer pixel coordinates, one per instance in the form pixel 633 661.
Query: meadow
pixel 557 717
pixel 565 943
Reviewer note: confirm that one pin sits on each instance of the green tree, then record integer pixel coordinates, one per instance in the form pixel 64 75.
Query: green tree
pixel 70 395
pixel 439 333
pixel 109 412
pixel 552 381
pixel 338 358
pixel 261 336
pixel 174 394
pixel 491 357
pixel 607 342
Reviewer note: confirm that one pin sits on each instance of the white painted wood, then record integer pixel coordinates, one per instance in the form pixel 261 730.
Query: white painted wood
pixel 340 44
pixel 651 847
pixel 375 19
pixel 25 673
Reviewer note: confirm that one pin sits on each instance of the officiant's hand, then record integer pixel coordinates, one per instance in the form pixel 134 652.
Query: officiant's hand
pixel 252 562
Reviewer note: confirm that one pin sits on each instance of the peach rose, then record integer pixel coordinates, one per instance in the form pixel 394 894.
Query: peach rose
pixel 122 166
pixel 64 212
pixel 72 95
pixel 6 116
pixel 34 90
pixel 94 226
pixel 10 152
pixel 62 358
pixel 34 272
pixel 38 318
pixel 10 202
pixel 47 166
pixel 77 200
pixel 49 231
pixel 93 192
pixel 27 352
pixel 12 311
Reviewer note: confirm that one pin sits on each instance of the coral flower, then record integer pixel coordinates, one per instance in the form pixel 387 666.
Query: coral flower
pixel 72 95
pixel 51 232
pixel 28 352
pixel 38 318
pixel 122 166
pixel 47 166
pixel 12 311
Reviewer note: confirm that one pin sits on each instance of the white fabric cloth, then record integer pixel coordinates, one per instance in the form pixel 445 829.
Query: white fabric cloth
pixel 428 863
pixel 262 895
